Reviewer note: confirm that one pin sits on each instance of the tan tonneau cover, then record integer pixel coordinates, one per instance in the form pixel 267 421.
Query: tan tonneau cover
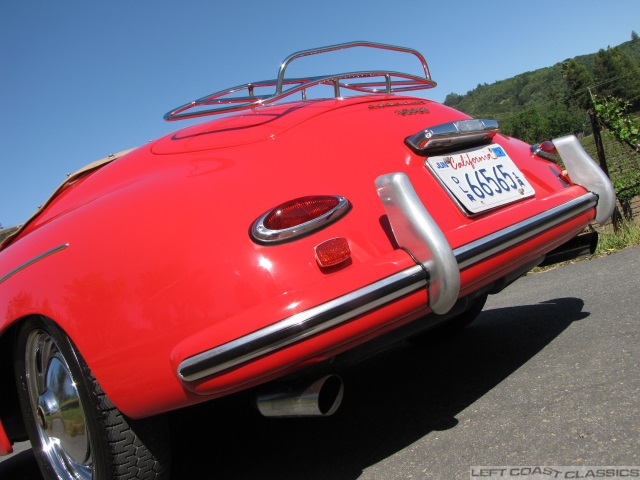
pixel 71 178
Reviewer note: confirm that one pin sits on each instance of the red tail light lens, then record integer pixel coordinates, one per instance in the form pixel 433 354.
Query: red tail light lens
pixel 299 211
pixel 298 217
pixel 548 147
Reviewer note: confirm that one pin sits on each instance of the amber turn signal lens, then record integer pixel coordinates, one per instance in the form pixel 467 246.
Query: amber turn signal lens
pixel 564 176
pixel 332 252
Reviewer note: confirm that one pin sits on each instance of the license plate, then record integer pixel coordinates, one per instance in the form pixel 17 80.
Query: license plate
pixel 481 179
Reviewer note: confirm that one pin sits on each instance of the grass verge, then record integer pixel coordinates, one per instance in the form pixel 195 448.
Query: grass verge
pixel 609 241
pixel 628 235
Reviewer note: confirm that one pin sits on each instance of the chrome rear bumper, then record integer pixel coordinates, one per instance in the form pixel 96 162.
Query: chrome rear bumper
pixel 438 266
pixel 444 267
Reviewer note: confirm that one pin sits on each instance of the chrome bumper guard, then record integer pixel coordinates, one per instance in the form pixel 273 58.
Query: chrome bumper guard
pixel 418 233
pixel 438 270
pixel 584 171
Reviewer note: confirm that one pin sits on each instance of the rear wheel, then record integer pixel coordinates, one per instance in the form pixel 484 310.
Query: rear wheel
pixel 469 315
pixel 75 430
pixel 453 325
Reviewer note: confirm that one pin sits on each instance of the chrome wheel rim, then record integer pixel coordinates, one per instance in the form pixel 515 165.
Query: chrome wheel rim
pixel 59 416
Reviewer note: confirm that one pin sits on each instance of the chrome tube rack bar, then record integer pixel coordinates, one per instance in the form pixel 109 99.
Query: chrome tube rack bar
pixel 378 81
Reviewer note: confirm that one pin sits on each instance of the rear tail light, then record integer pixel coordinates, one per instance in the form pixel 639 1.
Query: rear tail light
pixel 546 150
pixel 298 217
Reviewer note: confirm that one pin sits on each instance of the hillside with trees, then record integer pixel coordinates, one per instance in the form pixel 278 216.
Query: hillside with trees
pixel 553 101
pixel 598 92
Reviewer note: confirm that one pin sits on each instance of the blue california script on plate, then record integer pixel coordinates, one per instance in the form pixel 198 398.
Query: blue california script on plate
pixel 481 179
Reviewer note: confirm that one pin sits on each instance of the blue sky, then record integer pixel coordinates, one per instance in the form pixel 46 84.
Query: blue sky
pixel 82 79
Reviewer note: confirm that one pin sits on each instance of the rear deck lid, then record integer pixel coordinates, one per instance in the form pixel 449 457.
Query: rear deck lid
pixel 260 124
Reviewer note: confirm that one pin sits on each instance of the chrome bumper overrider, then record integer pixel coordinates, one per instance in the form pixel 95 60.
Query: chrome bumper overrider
pixel 438 267
pixel 584 171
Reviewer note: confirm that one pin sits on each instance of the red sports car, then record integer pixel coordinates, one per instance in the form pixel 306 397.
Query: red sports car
pixel 263 247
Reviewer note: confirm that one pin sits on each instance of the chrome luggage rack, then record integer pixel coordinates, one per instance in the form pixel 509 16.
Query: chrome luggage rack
pixel 225 101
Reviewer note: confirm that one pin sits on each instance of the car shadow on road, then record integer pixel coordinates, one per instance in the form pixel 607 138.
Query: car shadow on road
pixel 391 401
pixel 20 466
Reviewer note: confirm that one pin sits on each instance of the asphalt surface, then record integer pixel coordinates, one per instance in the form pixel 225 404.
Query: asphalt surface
pixel 547 375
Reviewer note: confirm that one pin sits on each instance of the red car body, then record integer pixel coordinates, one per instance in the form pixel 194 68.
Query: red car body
pixel 153 265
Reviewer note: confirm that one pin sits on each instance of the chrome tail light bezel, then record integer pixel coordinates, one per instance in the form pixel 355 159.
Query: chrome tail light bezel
pixel 263 235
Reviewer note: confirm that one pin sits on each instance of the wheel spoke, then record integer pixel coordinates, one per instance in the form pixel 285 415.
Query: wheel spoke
pixel 41 354
pixel 58 411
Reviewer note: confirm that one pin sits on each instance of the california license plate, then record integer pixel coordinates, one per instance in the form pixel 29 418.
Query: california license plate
pixel 481 179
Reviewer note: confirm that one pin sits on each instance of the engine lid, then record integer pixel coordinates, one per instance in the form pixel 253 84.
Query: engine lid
pixel 260 124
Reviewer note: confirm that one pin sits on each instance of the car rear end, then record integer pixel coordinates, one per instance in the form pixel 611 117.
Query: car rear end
pixel 442 209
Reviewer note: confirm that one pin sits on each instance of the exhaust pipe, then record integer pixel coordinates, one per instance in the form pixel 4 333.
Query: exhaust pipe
pixel 320 399
pixel 580 246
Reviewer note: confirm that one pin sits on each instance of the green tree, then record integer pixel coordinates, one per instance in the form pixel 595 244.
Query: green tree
pixel 452 99
pixel 528 125
pixel 617 75
pixel 535 124
pixel 578 80
pixel 564 121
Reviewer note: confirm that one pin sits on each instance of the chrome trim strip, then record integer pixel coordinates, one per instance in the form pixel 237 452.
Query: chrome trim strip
pixel 302 325
pixel 32 261
pixel 343 309
pixel 484 247
pixel 584 171
pixel 417 232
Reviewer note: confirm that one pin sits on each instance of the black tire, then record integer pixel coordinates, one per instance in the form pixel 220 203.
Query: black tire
pixel 453 325
pixel 459 322
pixel 75 430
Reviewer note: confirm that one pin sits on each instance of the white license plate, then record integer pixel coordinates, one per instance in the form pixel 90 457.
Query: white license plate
pixel 481 179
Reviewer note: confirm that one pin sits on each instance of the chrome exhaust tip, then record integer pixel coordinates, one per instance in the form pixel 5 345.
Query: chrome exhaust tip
pixel 319 399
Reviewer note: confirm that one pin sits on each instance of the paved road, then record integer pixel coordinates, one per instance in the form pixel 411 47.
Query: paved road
pixel 548 375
